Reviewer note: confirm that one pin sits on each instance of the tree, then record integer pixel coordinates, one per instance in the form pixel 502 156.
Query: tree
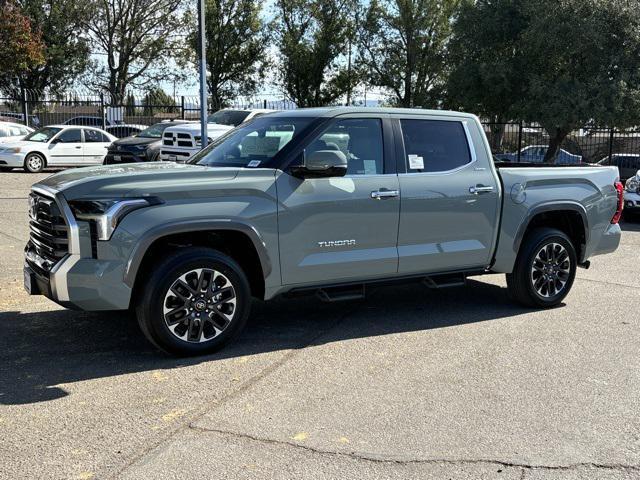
pixel 313 39
pixel 66 49
pixel 404 45
pixel 156 100
pixel 138 39
pixel 21 46
pixel 236 53
pixel 487 65
pixel 581 65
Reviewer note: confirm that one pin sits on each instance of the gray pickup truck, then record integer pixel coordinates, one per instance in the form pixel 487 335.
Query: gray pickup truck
pixel 326 201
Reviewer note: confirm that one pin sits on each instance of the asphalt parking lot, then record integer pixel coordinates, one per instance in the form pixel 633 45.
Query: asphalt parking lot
pixel 411 383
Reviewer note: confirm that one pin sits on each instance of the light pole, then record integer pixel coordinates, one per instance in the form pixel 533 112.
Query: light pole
pixel 203 74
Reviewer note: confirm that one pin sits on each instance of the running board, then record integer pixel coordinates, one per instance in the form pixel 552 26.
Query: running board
pixel 446 280
pixel 339 294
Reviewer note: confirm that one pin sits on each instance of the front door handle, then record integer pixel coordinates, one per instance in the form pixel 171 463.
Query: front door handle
pixel 478 189
pixel 78 147
pixel 380 194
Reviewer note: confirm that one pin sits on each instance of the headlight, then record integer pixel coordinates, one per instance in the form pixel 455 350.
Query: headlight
pixel 140 148
pixel 107 213
pixel 11 150
pixel 632 185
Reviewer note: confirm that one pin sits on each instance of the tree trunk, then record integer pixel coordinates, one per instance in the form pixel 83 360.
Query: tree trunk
pixel 497 136
pixel 556 137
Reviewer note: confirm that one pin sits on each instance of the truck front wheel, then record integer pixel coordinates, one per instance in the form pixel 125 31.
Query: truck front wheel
pixel 544 270
pixel 194 302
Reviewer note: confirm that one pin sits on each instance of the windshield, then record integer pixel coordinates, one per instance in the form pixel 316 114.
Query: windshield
pixel 252 144
pixel 43 135
pixel 232 118
pixel 155 131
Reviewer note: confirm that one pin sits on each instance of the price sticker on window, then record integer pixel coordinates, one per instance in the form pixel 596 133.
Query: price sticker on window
pixel 416 162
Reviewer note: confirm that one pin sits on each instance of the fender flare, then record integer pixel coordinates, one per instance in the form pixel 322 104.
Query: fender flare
pixel 551 207
pixel 142 245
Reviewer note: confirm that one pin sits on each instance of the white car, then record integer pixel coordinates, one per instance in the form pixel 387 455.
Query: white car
pixel 10 131
pixel 56 146
pixel 632 194
pixel 181 142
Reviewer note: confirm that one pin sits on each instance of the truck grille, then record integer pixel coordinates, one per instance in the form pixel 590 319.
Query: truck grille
pixel 48 238
pixel 170 139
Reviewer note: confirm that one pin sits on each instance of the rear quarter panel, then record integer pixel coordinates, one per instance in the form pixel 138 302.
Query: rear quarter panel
pixel 589 191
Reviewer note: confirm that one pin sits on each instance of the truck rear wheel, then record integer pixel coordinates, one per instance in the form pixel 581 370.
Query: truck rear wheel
pixel 194 302
pixel 545 269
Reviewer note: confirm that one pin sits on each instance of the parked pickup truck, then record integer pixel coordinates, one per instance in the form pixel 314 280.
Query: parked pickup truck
pixel 324 200
pixel 181 142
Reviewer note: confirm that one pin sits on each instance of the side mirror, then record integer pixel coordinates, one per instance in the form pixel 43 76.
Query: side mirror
pixel 322 163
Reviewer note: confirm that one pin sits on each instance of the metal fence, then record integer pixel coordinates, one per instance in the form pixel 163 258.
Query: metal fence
pixel 511 141
pixel 514 141
pixel 35 109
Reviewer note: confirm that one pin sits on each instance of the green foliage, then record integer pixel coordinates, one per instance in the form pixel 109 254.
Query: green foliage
pixel 561 63
pixel 66 49
pixel 129 105
pixel 313 37
pixel 487 60
pixel 582 65
pixel 157 100
pixel 236 49
pixel 404 47
pixel 138 39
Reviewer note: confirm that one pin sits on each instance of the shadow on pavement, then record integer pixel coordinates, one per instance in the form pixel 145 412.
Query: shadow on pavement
pixel 43 349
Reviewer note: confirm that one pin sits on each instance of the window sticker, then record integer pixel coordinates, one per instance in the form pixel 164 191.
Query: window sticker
pixel 253 163
pixel 416 162
pixel 369 167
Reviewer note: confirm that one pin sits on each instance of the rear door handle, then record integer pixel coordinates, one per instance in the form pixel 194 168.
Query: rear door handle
pixel 380 194
pixel 478 189
pixel 78 147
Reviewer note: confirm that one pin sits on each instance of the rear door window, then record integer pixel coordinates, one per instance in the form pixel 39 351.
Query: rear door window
pixel 92 136
pixel 434 145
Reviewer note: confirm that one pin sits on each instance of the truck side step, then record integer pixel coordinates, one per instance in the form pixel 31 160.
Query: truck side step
pixel 338 294
pixel 446 280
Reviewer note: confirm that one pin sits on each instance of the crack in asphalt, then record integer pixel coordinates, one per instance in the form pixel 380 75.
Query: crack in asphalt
pixel 604 282
pixel 307 341
pixel 12 237
pixel 367 457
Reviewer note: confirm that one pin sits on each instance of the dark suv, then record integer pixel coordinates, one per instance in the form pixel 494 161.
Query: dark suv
pixel 143 147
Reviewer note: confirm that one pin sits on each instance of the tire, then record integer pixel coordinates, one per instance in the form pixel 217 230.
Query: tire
pixel 34 163
pixel 176 320
pixel 544 270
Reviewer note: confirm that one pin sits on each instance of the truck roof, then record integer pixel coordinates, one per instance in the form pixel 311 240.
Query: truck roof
pixel 335 111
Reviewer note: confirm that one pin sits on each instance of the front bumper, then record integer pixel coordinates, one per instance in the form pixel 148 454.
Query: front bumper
pixel 78 280
pixel 11 159
pixel 631 201
pixel 116 158
pixel 174 155
pixel 81 283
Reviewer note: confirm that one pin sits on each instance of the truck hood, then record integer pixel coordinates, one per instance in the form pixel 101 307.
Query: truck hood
pixel 137 179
